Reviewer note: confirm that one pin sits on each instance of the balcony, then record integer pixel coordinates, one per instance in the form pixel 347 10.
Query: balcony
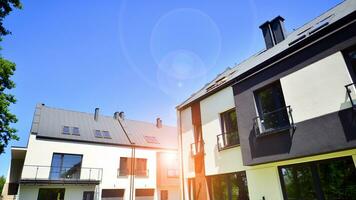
pixel 274 122
pixel 60 175
pixel 196 148
pixel 351 93
pixel 228 140
pixel 138 172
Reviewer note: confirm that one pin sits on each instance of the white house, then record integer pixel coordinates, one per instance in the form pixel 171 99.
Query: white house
pixel 74 155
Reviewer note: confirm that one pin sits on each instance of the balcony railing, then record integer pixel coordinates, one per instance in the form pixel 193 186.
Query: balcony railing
pixel 274 122
pixel 351 93
pixel 196 148
pixel 227 140
pixel 52 174
pixel 138 172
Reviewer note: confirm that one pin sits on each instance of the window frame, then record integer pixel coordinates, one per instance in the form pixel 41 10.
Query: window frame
pixel 347 60
pixel 66 133
pixel 223 116
pixel 61 165
pixel 315 176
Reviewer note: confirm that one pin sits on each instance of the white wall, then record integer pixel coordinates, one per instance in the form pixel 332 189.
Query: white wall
pixel 228 160
pixel 30 192
pixel 187 139
pixel 317 89
pixel 106 157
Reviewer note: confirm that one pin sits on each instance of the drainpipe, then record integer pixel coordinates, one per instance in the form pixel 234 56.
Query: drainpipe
pixel 132 166
pixel 180 152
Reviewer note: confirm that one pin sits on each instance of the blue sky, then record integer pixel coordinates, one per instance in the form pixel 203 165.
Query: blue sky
pixel 141 57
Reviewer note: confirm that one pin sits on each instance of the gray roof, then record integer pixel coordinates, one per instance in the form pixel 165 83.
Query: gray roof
pixel 48 122
pixel 329 17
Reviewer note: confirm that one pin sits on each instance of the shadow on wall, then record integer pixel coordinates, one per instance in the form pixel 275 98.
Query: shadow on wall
pixel 274 144
pixel 348 122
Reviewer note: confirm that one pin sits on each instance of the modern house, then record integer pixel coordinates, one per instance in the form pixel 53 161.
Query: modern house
pixel 281 124
pixel 74 155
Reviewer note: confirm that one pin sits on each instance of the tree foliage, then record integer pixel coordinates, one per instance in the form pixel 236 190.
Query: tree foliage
pixel 2 183
pixel 7 69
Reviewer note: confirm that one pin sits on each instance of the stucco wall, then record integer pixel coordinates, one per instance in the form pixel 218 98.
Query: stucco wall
pixel 228 160
pixel 317 89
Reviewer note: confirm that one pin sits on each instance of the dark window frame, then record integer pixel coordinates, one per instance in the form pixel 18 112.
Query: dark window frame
pixel 224 132
pixel 61 165
pixel 42 189
pixel 315 175
pixel 348 62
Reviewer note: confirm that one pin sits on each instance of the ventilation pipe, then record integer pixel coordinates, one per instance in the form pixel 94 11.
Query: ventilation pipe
pixel 96 114
pixel 158 123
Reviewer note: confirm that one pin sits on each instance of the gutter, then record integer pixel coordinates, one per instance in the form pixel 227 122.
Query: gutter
pixel 180 149
pixel 132 167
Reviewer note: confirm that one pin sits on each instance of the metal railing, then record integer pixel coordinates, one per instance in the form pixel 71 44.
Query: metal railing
pixel 351 93
pixel 227 140
pixel 138 172
pixel 38 172
pixel 273 122
pixel 196 148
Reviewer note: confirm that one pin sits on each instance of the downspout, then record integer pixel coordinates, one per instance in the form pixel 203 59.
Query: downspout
pixel 180 144
pixel 132 167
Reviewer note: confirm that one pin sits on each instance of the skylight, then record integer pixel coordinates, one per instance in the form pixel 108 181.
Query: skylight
pixel 66 130
pixel 151 139
pixel 97 134
pixel 106 134
pixel 75 131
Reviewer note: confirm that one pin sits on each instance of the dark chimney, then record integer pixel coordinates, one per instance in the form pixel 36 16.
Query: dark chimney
pixel 267 34
pixel 116 115
pixel 158 123
pixel 122 115
pixel 277 26
pixel 96 114
pixel 273 31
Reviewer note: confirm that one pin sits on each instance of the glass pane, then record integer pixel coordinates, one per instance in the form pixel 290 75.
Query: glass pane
pixel 97 133
pixel 352 57
pixel 338 179
pixel 71 166
pixel 298 182
pixel 219 187
pixel 239 189
pixel 75 131
pixel 56 166
pixel 65 130
pixel 51 193
pixel 106 134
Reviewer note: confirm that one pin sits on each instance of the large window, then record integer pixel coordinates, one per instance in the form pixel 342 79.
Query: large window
pixel 65 166
pixel 230 135
pixel 333 179
pixel 272 110
pixel 228 187
pixel 350 58
pixel 51 193
pixel 140 166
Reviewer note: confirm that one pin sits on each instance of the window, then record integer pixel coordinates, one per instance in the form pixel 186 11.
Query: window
pixel 112 193
pixel 272 110
pixel 145 193
pixel 75 131
pixel 228 186
pixel 97 133
pixel 350 58
pixel 328 179
pixel 140 166
pixel 164 194
pixel 106 134
pixel 51 193
pixel 65 166
pixel 230 135
pixel 66 130
pixel 88 195
pixel 151 139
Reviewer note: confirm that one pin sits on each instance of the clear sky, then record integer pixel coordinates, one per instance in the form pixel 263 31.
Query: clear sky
pixel 140 57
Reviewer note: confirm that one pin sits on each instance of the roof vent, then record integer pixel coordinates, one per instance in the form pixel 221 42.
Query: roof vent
pixel 122 115
pixel 158 123
pixel 273 31
pixel 96 114
pixel 116 115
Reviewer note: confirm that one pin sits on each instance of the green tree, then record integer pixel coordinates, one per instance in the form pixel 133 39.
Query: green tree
pixel 7 69
pixel 2 183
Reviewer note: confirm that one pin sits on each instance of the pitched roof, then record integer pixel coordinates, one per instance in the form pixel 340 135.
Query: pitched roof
pixel 49 122
pixel 326 19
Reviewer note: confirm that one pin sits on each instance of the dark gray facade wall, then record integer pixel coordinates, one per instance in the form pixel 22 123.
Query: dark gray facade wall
pixel 328 133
